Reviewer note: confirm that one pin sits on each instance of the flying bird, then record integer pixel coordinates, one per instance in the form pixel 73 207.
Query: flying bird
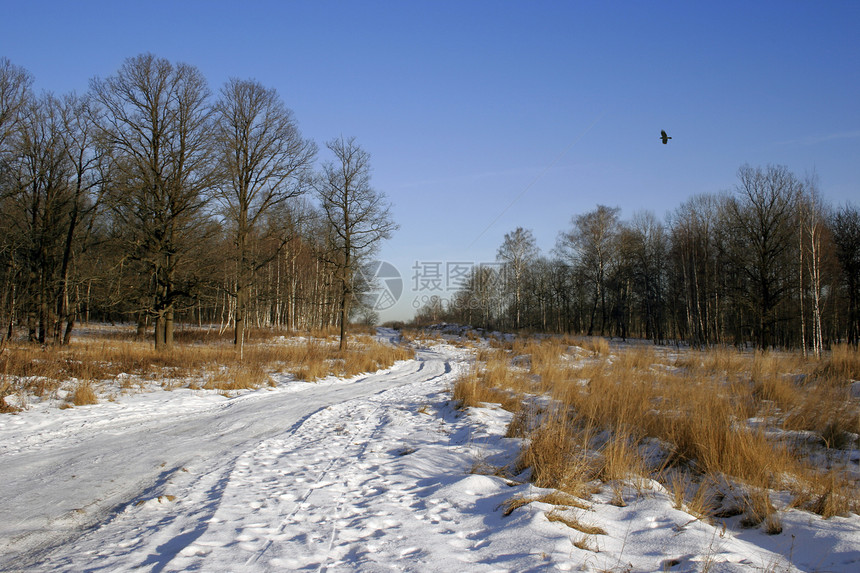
pixel 664 137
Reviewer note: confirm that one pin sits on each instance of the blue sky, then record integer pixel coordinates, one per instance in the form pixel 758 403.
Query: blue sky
pixel 482 116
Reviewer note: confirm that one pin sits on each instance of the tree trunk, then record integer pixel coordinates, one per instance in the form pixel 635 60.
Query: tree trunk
pixel 159 332
pixel 168 327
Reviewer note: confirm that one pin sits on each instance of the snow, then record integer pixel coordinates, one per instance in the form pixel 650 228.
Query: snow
pixel 372 473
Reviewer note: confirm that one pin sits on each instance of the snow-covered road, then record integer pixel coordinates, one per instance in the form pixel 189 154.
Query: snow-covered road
pixel 64 472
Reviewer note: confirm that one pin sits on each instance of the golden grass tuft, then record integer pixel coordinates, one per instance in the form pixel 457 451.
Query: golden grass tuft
pixel 758 508
pixel 556 498
pixel 562 499
pixel 367 355
pixel 557 454
pixel 471 391
pixel 520 424
pixel 842 364
pixel 620 459
pixel 492 379
pixel 83 394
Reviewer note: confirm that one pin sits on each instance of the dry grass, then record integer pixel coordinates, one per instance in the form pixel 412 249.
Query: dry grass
pixel 558 499
pixel 585 544
pixel 511 505
pixel 493 379
pixel 238 377
pixel 367 355
pixel 574 523
pixel 472 390
pixel 209 360
pixel 83 394
pixel 558 456
pixel 597 345
pixel 521 423
pixel 719 414
pixel 843 363
pixel 620 459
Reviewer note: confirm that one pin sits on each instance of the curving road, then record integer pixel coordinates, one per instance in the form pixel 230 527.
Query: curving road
pixel 79 467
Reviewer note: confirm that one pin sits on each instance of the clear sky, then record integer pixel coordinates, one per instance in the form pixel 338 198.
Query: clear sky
pixel 482 116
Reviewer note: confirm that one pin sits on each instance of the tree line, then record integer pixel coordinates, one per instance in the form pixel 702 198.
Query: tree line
pixel 769 264
pixel 150 198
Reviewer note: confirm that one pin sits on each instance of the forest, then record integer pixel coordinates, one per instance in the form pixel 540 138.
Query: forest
pixel 151 200
pixel 769 264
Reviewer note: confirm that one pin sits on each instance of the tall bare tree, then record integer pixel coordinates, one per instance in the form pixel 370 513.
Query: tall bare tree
pixel 15 85
pixel 644 245
pixel 358 215
pixel 45 197
pixel 761 214
pixel 590 246
pixel 695 268
pixel 266 162
pixel 15 95
pixel 845 228
pixel 86 161
pixel 811 217
pixel 517 252
pixel 157 120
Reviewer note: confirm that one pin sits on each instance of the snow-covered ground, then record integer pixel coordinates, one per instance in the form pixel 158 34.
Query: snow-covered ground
pixel 373 473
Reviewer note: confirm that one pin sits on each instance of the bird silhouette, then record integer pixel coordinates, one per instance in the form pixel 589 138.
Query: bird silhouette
pixel 664 137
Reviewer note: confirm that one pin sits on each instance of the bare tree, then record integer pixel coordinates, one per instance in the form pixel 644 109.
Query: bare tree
pixel 266 162
pixel 87 177
pixel 697 273
pixel 15 96
pixel 517 253
pixel 590 246
pixel 811 216
pixel 45 194
pixel 761 215
pixel 359 216
pixel 15 85
pixel 157 121
pixel 644 245
pixel 845 228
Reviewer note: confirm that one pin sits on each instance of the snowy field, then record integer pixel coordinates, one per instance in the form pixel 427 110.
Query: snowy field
pixel 372 473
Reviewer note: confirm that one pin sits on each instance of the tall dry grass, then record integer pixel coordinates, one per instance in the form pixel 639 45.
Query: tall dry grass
pixel 41 371
pixel 719 417
pixel 558 455
pixel 491 379
pixel 83 394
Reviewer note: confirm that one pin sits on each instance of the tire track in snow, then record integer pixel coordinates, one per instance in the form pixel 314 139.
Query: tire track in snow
pixel 211 441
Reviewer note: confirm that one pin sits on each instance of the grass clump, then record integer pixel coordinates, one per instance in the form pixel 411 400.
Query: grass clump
pixel 83 394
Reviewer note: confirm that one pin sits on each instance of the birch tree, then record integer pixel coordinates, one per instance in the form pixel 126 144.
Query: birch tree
pixel 517 253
